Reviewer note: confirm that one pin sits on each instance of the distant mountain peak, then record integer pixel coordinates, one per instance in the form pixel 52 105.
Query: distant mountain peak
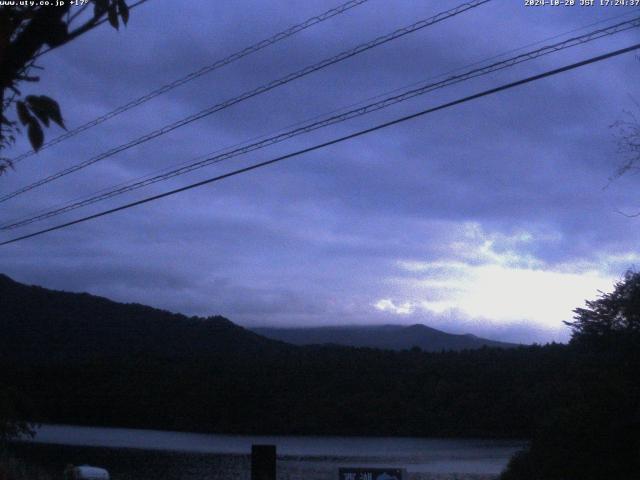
pixel 386 336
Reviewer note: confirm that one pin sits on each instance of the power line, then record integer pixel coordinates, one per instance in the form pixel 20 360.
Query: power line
pixel 386 102
pixel 255 166
pixel 198 73
pixel 148 180
pixel 302 122
pixel 252 93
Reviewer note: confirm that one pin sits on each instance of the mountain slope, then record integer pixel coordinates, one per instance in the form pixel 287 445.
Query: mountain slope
pixel 82 359
pixel 37 323
pixel 392 337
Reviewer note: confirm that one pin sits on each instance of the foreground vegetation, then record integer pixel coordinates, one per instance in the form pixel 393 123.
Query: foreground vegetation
pixel 596 435
pixel 12 468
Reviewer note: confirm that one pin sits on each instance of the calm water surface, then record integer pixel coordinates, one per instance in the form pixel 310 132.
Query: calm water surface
pixel 144 454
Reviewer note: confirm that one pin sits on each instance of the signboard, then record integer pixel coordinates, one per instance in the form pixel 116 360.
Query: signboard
pixel 364 473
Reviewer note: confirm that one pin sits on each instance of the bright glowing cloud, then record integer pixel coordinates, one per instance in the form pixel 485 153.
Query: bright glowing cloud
pixel 387 305
pixel 492 276
pixel 504 293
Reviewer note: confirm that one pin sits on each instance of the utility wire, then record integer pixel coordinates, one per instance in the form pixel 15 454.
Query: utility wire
pixel 341 109
pixel 198 73
pixel 252 93
pixel 386 102
pixel 255 166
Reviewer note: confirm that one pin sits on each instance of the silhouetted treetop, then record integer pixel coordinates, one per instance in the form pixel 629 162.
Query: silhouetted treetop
pixel 612 314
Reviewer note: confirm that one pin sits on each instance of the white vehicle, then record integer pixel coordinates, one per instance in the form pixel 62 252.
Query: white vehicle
pixel 86 472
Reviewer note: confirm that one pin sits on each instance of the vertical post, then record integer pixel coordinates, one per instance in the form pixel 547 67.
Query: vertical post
pixel 263 462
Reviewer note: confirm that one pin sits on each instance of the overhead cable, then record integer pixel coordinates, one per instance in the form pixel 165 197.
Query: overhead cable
pixel 255 166
pixel 252 93
pixel 198 73
pixel 384 103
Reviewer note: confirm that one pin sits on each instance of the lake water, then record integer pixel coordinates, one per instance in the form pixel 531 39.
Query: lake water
pixel 148 454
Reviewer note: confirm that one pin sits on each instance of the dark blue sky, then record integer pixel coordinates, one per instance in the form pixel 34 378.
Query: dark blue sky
pixel 490 217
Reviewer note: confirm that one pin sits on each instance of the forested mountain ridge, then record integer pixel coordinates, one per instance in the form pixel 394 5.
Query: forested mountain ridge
pixel 392 337
pixel 39 323
pixel 88 360
pixel 43 323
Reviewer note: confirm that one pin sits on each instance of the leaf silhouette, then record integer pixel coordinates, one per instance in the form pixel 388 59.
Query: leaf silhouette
pixel 36 137
pixel 124 11
pixel 23 113
pixel 45 108
pixel 113 16
pixel 99 7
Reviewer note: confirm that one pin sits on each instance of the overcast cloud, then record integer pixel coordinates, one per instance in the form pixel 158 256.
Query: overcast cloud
pixel 488 218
